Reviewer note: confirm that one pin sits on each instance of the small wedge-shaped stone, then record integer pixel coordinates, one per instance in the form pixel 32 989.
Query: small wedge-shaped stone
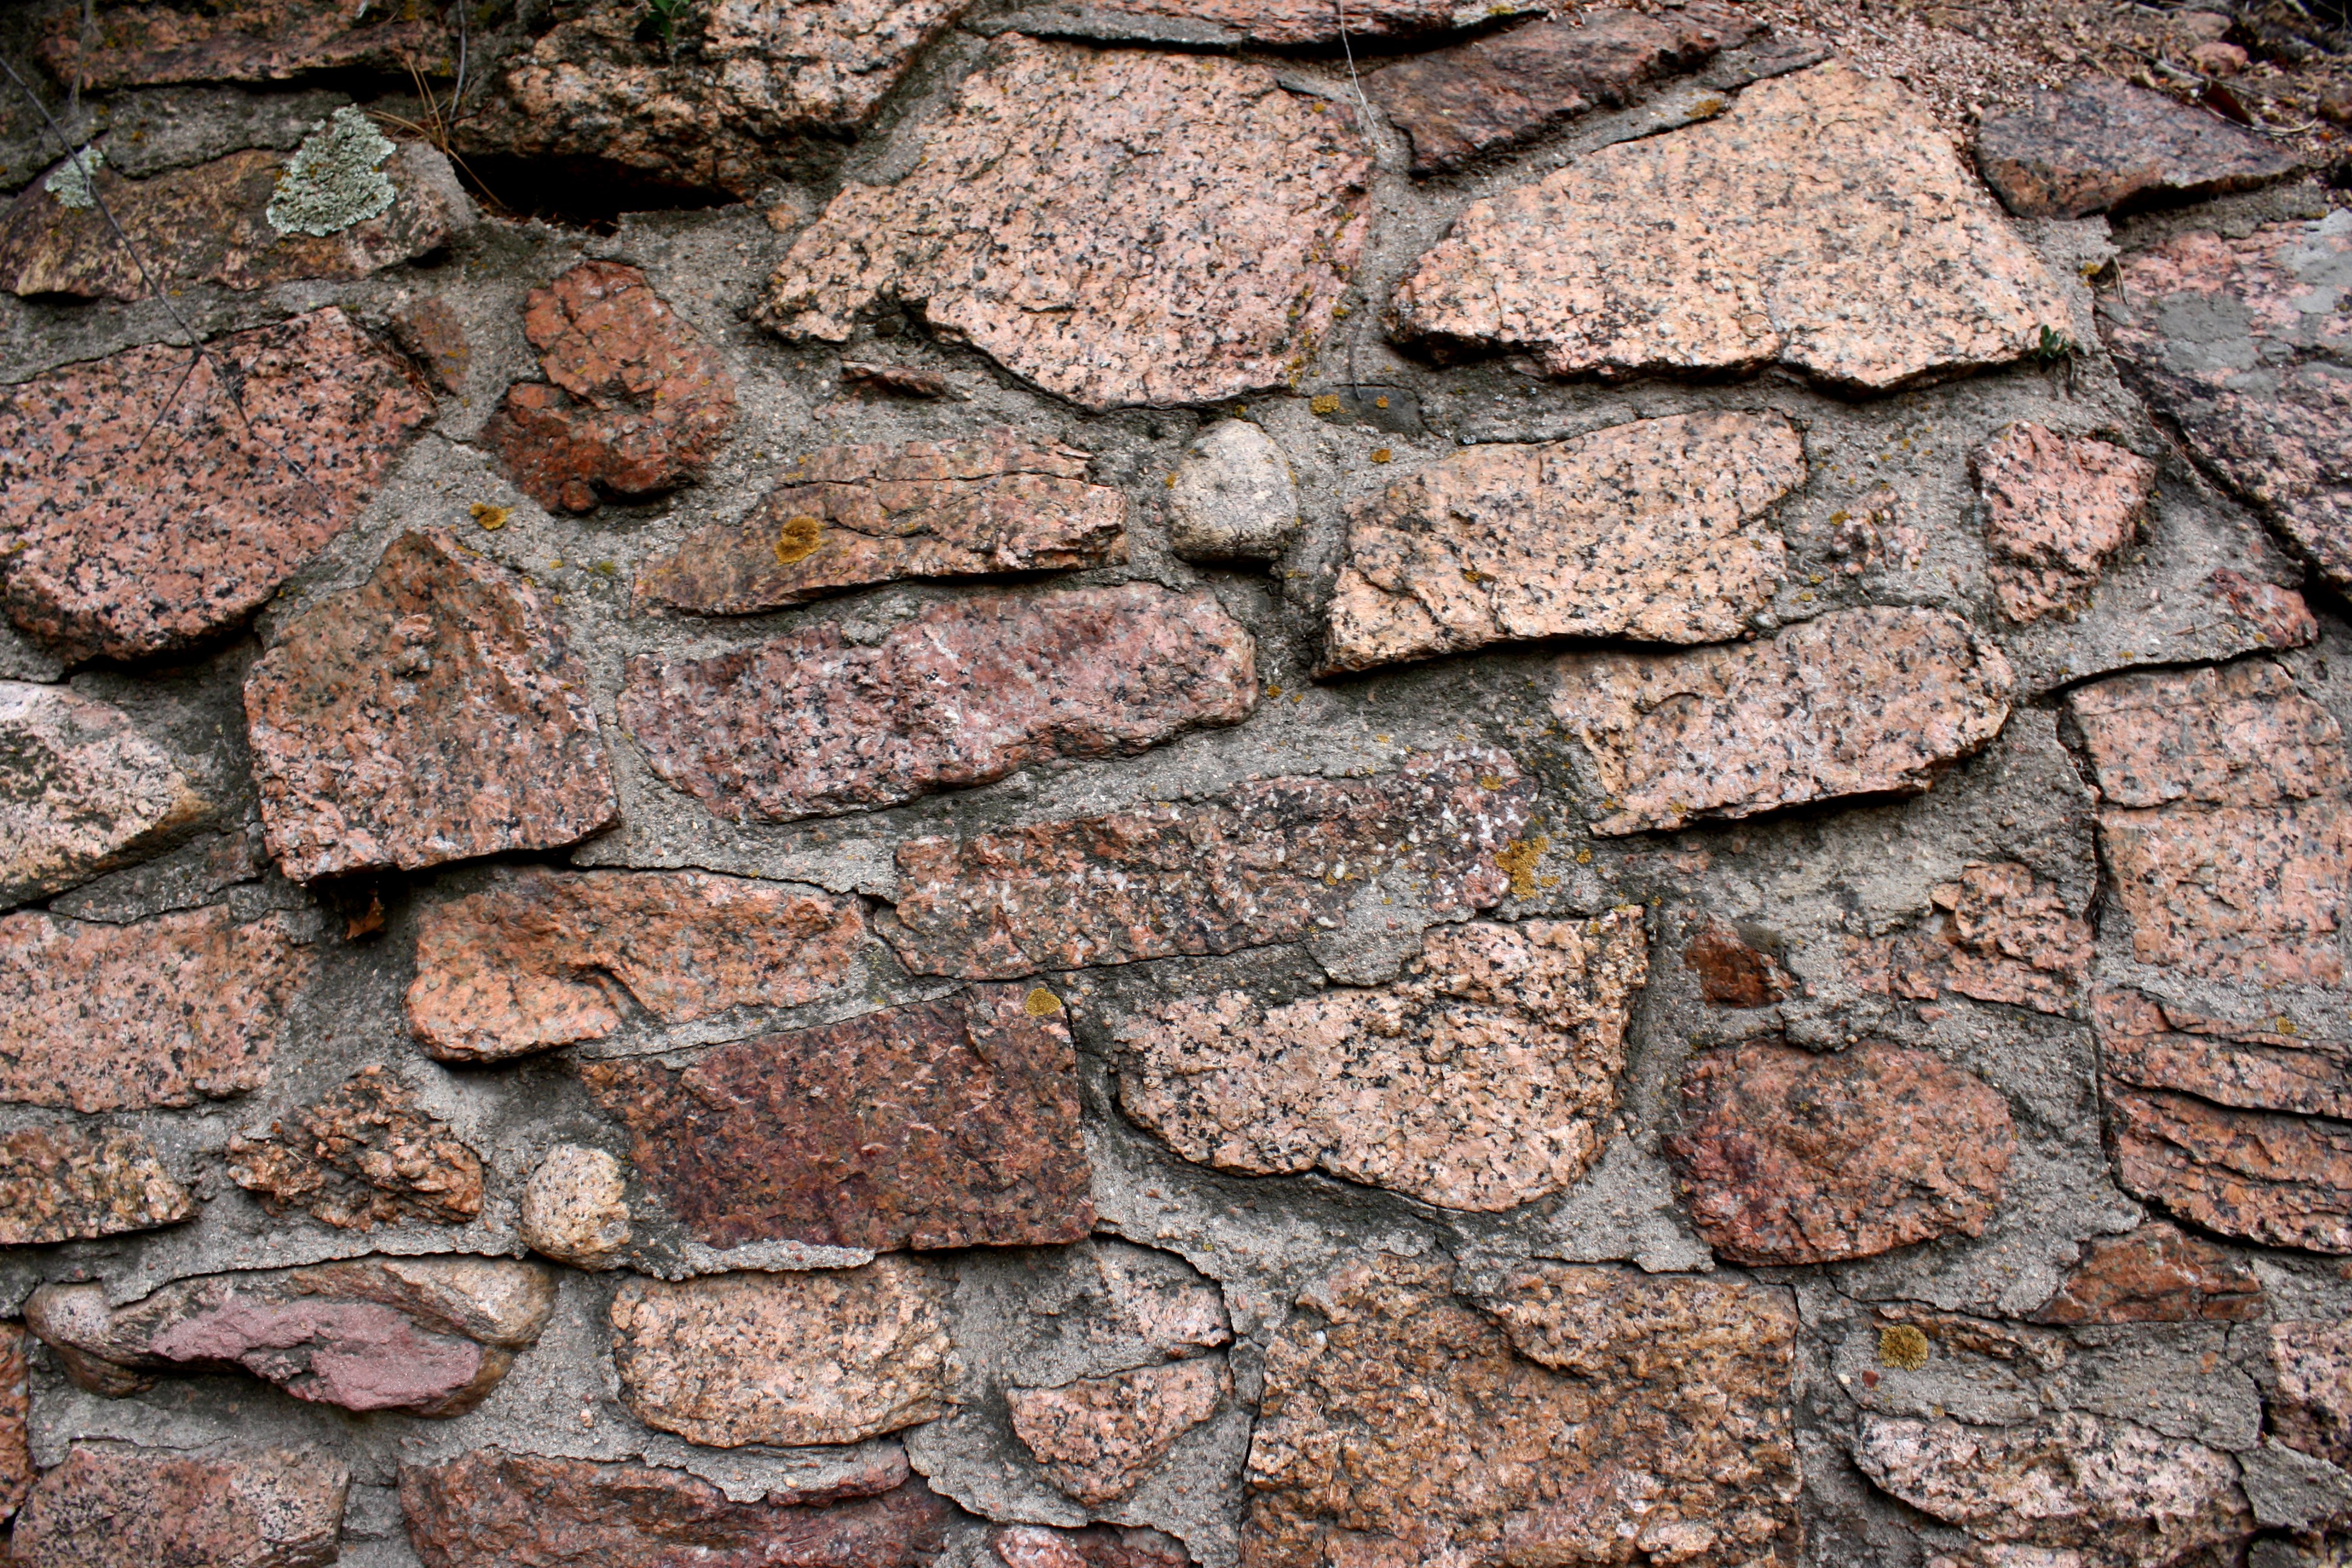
pixel 1823 224
pixel 68 1183
pixel 428 1336
pixel 543 958
pixel 1653 531
pixel 1867 701
pixel 244 40
pixel 2103 145
pixel 1096 1438
pixel 148 505
pixel 1232 498
pixel 367 1154
pixel 432 714
pixel 812 725
pixel 1119 227
pixel 2057 509
pixel 827 1356
pixel 1483 1080
pixel 852 515
pixel 81 791
pixel 113 1506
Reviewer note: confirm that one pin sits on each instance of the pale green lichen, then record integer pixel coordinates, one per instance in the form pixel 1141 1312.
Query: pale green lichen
pixel 335 178
pixel 70 182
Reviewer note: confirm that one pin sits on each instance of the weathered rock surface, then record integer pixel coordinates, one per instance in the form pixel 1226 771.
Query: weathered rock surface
pixel 2157 1273
pixel 2311 1408
pixel 107 1017
pixel 2103 145
pixel 2240 734
pixel 1508 87
pixel 432 714
pixel 435 336
pixel 2284 1181
pixel 946 1123
pixel 83 793
pixel 2057 509
pixel 1732 974
pixel 818 1357
pixel 811 724
pixel 495 1509
pixel 1483 1080
pixel 66 1183
pixel 113 1506
pixel 850 515
pixel 17 1472
pixel 634 401
pixel 1274 860
pixel 367 1154
pixel 1588 1415
pixel 575 1208
pixel 1653 530
pixel 148 506
pixel 2271 1066
pixel 1097 1546
pixel 242 40
pixel 1823 223
pixel 1999 934
pixel 1863 701
pixel 1277 21
pixel 429 1336
pixel 1792 1157
pixel 1097 1438
pixel 543 959
pixel 1232 499
pixel 1221 217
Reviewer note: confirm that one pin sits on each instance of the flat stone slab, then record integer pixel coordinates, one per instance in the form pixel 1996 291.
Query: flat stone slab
pixel 811 724
pixel 846 516
pixel 1655 531
pixel 2157 1273
pixel 1230 23
pixel 84 792
pixel 110 1505
pixel 2102 145
pixel 151 507
pixel 2311 1410
pixel 1223 217
pixel 1096 1438
pixel 2058 509
pixel 67 1183
pixel 1823 223
pixel 366 1155
pixel 242 40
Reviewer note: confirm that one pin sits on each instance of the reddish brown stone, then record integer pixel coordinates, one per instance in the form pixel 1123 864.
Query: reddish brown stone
pixel 2000 935
pixel 495 1509
pixel 639 402
pixel 904 380
pixel 2057 509
pixel 1097 1546
pixel 2157 1273
pixel 365 1155
pixel 2242 735
pixel 2103 145
pixel 1731 973
pixel 811 724
pixel 84 792
pixel 2311 1404
pixel 850 515
pixel 66 1183
pixel 149 506
pixel 2284 1181
pixel 949 1123
pixel 543 958
pixel 16 1407
pixel 1097 1438
pixel 435 336
pixel 431 714
pixel 113 1506
pixel 2271 1067
pixel 2277 616
pixel 108 1017
pixel 1285 22
pixel 243 40
pixel 1790 1157
pixel 1274 860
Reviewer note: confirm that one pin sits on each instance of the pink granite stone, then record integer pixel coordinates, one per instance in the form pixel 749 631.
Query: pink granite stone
pixel 2057 509
pixel 68 1183
pixel 84 793
pixel 113 1506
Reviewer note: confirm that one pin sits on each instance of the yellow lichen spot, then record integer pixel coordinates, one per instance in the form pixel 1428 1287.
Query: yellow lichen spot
pixel 1384 739
pixel 1380 402
pixel 1339 313
pixel 1326 403
pixel 2285 1025
pixel 1171 482
pixel 1381 454
pixel 799 539
pixel 1707 108
pixel 1273 691
pixel 1040 1004
pixel 1903 1346
pixel 1518 859
pixel 1472 575
pixel 1547 882
pixel 492 517
pixel 1584 856
pixel 1490 781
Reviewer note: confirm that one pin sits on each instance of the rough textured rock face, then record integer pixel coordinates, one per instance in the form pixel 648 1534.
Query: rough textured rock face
pixel 1731 973
pixel 1858 702
pixel 17 1472
pixel 432 714
pixel 240 41
pixel 821 1357
pixel 1281 22
pixel 367 1154
pixel 1821 224
pixel 495 1509
pixel 948 1123
pixel 545 958
pixel 2313 1408
pixel 1586 1415
pixel 1484 1081
pixel 575 1208
pixel 148 505
pixel 2103 145
pixel 1097 1437
pixel 1222 217
pixel 1274 860
pixel 1232 498
pixel 1034 1546
pixel 850 515
pixel 63 1183
pixel 1791 1157
pixel 1653 531
pixel 811 724
pixel 1999 935
pixel 84 791
pixel 114 1506
pixel 634 401
pixel 103 1018
pixel 2057 509
pixel 2157 1273
pixel 434 334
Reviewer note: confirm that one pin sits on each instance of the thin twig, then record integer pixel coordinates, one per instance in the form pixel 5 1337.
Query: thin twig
pixel 81 59
pixel 1339 8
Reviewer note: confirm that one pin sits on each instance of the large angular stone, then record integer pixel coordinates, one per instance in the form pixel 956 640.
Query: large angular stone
pixel 1232 497
pixel 2103 145
pixel 2311 1407
pixel 2242 735
pixel 1999 934
pixel 811 724
pixel 1653 530
pixel 244 40
pixel 1823 223
pixel 1273 860
pixel 543 959
pixel 429 1336
pixel 432 714
pixel 490 1509
pixel 1118 226
pixel 113 1506
pixel 68 1183
pixel 367 1154
pixel 1483 1080
pixel 1794 1157
pixel 850 515
pixel 946 1123
pixel 2157 1273
pixel 82 791
pixel 1587 1416
pixel 148 505
pixel 818 1357
pixel 108 1017
pixel 2057 509
pixel 1096 1438
pixel 1866 701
